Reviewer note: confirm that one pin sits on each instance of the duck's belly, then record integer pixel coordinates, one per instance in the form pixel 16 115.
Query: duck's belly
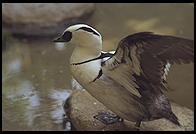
pixel 116 98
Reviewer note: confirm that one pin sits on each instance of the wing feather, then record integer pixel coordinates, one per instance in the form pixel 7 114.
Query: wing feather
pixel 146 54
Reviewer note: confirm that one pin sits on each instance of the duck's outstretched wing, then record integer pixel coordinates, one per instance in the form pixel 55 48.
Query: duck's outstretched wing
pixel 143 59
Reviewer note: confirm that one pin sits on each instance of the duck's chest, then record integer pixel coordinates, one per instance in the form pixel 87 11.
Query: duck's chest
pixel 87 72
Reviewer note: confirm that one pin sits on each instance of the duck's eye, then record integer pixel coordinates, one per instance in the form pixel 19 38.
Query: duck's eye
pixel 67 36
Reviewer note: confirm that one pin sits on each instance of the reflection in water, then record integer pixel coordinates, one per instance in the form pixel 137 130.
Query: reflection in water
pixel 14 66
pixel 60 46
pixel 25 95
pixel 35 74
pixel 28 101
pixel 57 106
pixel 28 94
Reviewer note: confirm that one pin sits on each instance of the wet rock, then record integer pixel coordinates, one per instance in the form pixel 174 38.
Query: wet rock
pixel 43 19
pixel 81 107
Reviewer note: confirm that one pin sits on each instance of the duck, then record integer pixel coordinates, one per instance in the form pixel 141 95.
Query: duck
pixel 130 80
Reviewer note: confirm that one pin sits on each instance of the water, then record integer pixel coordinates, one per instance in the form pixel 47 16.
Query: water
pixel 35 84
pixel 36 78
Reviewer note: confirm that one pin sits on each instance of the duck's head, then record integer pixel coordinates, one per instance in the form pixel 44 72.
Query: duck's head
pixel 81 35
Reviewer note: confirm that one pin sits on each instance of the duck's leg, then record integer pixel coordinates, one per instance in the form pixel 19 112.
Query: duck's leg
pixel 137 125
pixel 107 117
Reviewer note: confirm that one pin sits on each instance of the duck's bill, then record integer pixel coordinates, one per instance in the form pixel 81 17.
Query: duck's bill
pixel 58 39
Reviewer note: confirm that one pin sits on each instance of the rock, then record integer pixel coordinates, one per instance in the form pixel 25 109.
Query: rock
pixel 43 19
pixel 81 107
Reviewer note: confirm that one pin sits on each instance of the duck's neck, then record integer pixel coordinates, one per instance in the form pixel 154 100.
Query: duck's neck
pixel 81 54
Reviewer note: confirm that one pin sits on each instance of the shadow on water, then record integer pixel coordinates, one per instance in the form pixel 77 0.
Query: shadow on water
pixel 36 77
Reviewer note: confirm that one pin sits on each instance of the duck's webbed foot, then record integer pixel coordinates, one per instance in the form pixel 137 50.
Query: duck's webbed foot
pixel 137 125
pixel 107 117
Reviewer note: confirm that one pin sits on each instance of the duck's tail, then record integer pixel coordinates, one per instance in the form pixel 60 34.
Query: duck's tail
pixel 172 117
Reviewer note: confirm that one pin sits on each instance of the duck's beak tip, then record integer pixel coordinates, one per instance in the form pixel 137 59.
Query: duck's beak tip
pixel 55 40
